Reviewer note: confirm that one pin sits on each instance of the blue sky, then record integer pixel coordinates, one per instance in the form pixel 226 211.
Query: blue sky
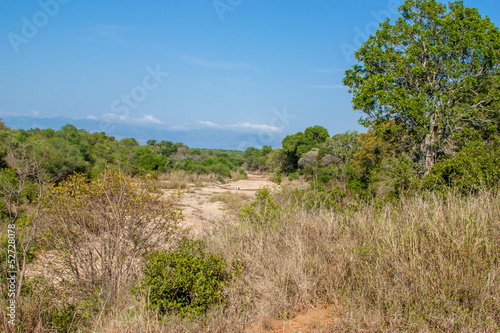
pixel 255 66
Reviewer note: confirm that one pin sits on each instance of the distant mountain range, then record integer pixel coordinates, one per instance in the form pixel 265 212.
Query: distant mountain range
pixel 195 138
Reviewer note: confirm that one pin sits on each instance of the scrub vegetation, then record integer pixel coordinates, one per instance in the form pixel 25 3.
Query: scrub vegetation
pixel 396 228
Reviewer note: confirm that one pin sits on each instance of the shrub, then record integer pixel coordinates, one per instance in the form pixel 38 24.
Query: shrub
pixel 293 176
pixel 474 167
pixel 325 174
pixel 187 280
pixel 98 230
pixel 264 210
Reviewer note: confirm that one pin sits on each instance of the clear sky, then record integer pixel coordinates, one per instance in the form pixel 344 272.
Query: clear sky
pixel 243 65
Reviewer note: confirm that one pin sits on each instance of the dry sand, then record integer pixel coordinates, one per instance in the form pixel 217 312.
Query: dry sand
pixel 200 214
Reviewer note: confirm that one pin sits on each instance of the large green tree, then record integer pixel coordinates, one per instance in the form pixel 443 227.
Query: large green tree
pixel 431 73
pixel 296 145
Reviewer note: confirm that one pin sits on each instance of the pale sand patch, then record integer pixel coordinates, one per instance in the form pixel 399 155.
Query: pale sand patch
pixel 200 214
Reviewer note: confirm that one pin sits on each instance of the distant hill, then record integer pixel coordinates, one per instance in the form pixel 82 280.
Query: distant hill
pixel 196 138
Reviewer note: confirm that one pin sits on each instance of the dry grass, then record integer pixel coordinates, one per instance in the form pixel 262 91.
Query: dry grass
pixel 427 263
pixel 237 175
pixel 233 201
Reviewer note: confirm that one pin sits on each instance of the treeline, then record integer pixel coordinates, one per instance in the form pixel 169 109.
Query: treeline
pixel 380 162
pixel 70 150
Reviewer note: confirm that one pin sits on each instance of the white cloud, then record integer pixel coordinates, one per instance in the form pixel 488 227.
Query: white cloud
pixel 90 116
pixel 208 123
pixel 35 113
pixel 247 127
pixel 145 120
pixel 256 127
pixel 151 119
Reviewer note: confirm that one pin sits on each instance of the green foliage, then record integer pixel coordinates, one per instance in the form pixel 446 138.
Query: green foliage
pixel 70 150
pixel 368 158
pixel 277 176
pixel 147 160
pixel 293 176
pixel 188 280
pixel 263 210
pixel 473 168
pixel 316 134
pixel 434 71
pixel 324 175
pixel 62 157
pixel 63 319
pixel 342 146
pixel 296 145
pixel 256 159
pixel 4 139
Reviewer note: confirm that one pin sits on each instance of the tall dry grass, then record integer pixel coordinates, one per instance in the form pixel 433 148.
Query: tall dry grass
pixel 426 263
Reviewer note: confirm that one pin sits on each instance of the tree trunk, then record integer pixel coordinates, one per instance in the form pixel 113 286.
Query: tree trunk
pixel 429 149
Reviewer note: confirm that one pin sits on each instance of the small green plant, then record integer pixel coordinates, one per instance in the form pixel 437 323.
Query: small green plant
pixel 263 210
pixel 188 280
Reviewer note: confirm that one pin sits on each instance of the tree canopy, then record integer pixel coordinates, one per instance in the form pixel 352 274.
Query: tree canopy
pixel 434 73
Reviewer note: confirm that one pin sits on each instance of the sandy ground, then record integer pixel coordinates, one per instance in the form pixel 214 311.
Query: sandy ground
pixel 200 214
pixel 319 319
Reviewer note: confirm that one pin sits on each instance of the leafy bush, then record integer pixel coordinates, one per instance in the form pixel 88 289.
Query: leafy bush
pixel 188 280
pixel 474 167
pixel 263 210
pixel 325 174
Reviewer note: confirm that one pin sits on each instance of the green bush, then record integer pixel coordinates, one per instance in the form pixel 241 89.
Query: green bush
pixel 263 210
pixel 220 169
pixel 188 280
pixel 325 174
pixel 293 176
pixel 474 167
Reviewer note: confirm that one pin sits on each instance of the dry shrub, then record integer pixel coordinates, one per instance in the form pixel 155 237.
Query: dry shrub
pixel 426 263
pixel 97 232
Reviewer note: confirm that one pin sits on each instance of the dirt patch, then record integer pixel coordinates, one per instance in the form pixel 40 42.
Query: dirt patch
pixel 200 214
pixel 319 319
